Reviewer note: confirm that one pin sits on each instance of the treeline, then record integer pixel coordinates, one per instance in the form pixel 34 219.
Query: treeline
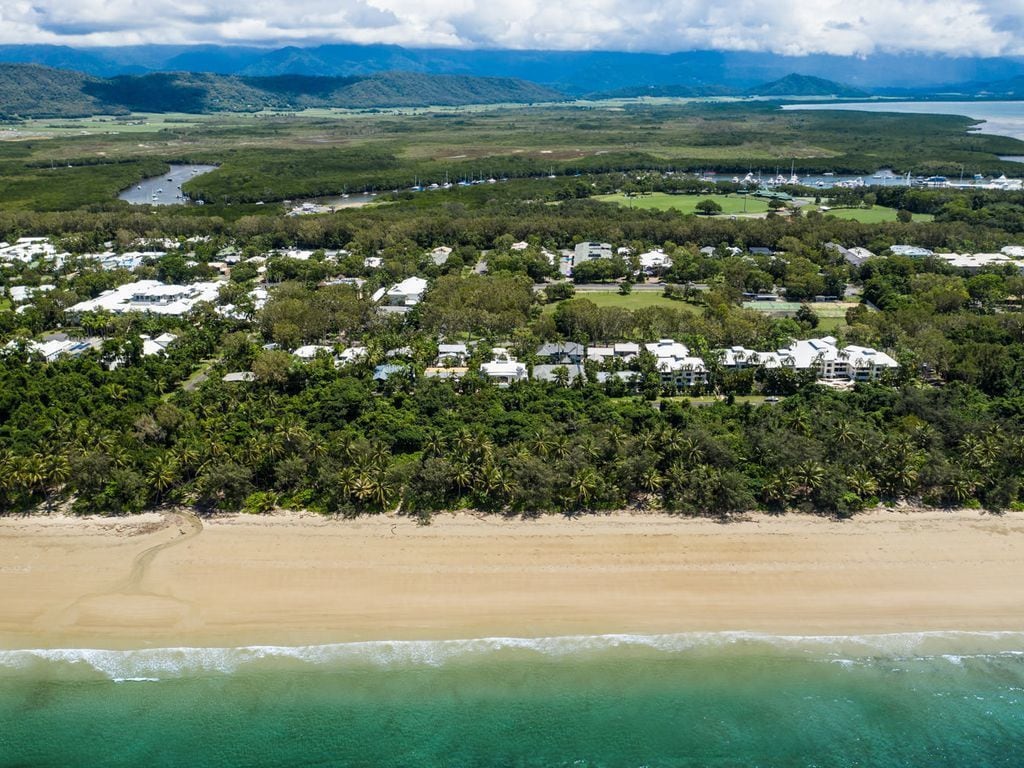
pixel 336 443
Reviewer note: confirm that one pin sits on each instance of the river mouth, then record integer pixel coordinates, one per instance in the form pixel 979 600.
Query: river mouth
pixel 166 188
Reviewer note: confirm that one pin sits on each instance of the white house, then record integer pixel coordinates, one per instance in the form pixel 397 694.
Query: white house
pixel 403 296
pixel 351 355
pixel 440 255
pixel 158 345
pixel 503 368
pixel 22 293
pixel 310 351
pixel 150 296
pixel 654 261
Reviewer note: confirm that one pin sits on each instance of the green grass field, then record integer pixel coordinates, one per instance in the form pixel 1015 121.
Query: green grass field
pixel 876 215
pixel 831 315
pixel 659 201
pixel 633 301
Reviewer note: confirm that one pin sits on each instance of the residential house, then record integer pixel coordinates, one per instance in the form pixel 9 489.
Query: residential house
pixel 310 351
pixel 403 296
pixel 503 369
pixel 561 353
pixel 552 373
pixel 626 351
pixel 440 255
pixel 158 345
pixel 56 346
pixel 654 262
pixel 452 355
pixel 829 362
pixel 853 256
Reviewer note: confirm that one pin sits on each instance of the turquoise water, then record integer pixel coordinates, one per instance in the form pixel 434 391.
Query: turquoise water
pixel 683 700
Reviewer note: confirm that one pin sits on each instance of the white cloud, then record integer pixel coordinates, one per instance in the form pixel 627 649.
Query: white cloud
pixel 796 27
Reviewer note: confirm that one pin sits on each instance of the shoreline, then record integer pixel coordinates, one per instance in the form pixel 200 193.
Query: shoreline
pixel 299 579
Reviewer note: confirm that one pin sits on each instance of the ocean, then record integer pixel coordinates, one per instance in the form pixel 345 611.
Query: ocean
pixel 1004 118
pixel 733 699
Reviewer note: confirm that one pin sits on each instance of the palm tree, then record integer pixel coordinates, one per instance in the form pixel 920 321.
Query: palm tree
pixel 615 438
pixel 543 443
pixel 462 474
pixel 651 481
pixel 862 483
pixel 164 473
pixel 58 472
pixel 691 450
pixel 961 488
pixel 434 445
pixel 584 485
pixel 809 476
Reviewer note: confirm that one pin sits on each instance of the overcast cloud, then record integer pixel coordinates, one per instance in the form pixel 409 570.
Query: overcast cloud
pixel 846 27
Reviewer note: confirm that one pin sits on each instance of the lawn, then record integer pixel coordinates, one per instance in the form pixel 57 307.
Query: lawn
pixel 876 215
pixel 831 314
pixel 660 201
pixel 633 301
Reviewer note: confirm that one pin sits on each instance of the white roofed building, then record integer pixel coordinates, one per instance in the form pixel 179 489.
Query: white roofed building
pixel 676 366
pixel 150 296
pixel 403 296
pixel 503 369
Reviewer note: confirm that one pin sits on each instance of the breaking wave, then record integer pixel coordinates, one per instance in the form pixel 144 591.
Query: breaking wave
pixel 156 664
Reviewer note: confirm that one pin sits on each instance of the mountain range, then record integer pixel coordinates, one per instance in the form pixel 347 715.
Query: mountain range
pixel 31 90
pixel 574 73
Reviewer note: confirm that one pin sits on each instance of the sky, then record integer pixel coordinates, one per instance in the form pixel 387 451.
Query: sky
pixel 792 27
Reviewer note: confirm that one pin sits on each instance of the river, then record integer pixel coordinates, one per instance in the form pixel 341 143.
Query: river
pixel 166 188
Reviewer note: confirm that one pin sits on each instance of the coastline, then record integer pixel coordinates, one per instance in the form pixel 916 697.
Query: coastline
pixel 290 579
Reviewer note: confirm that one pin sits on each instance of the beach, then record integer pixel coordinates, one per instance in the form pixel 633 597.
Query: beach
pixel 167 580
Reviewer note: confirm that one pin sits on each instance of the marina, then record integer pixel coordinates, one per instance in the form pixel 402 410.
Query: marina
pixel 164 189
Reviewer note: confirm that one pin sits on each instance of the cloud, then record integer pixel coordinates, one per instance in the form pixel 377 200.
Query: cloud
pixel 795 27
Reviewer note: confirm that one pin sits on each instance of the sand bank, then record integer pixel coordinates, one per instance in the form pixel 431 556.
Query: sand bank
pixel 156 580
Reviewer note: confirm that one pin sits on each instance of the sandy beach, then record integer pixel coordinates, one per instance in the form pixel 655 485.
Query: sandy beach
pixel 172 580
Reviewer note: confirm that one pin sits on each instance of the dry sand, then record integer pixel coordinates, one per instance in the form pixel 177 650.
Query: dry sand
pixel 155 581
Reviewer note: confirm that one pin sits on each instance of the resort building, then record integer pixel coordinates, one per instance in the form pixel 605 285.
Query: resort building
pixel 150 296
pixel 589 251
pixel 53 348
pixel 676 366
pixel 829 362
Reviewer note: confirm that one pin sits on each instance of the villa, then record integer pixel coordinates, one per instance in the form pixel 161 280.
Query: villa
pixel 503 369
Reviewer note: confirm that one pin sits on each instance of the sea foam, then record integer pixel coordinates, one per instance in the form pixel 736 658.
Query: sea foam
pixel 155 664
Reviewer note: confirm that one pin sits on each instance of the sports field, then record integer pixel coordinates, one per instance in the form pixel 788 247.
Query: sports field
pixel 874 215
pixel 660 201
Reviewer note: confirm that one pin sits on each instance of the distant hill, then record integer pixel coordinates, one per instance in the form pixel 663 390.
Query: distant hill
pixel 573 72
pixel 29 90
pixel 666 91
pixel 805 85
